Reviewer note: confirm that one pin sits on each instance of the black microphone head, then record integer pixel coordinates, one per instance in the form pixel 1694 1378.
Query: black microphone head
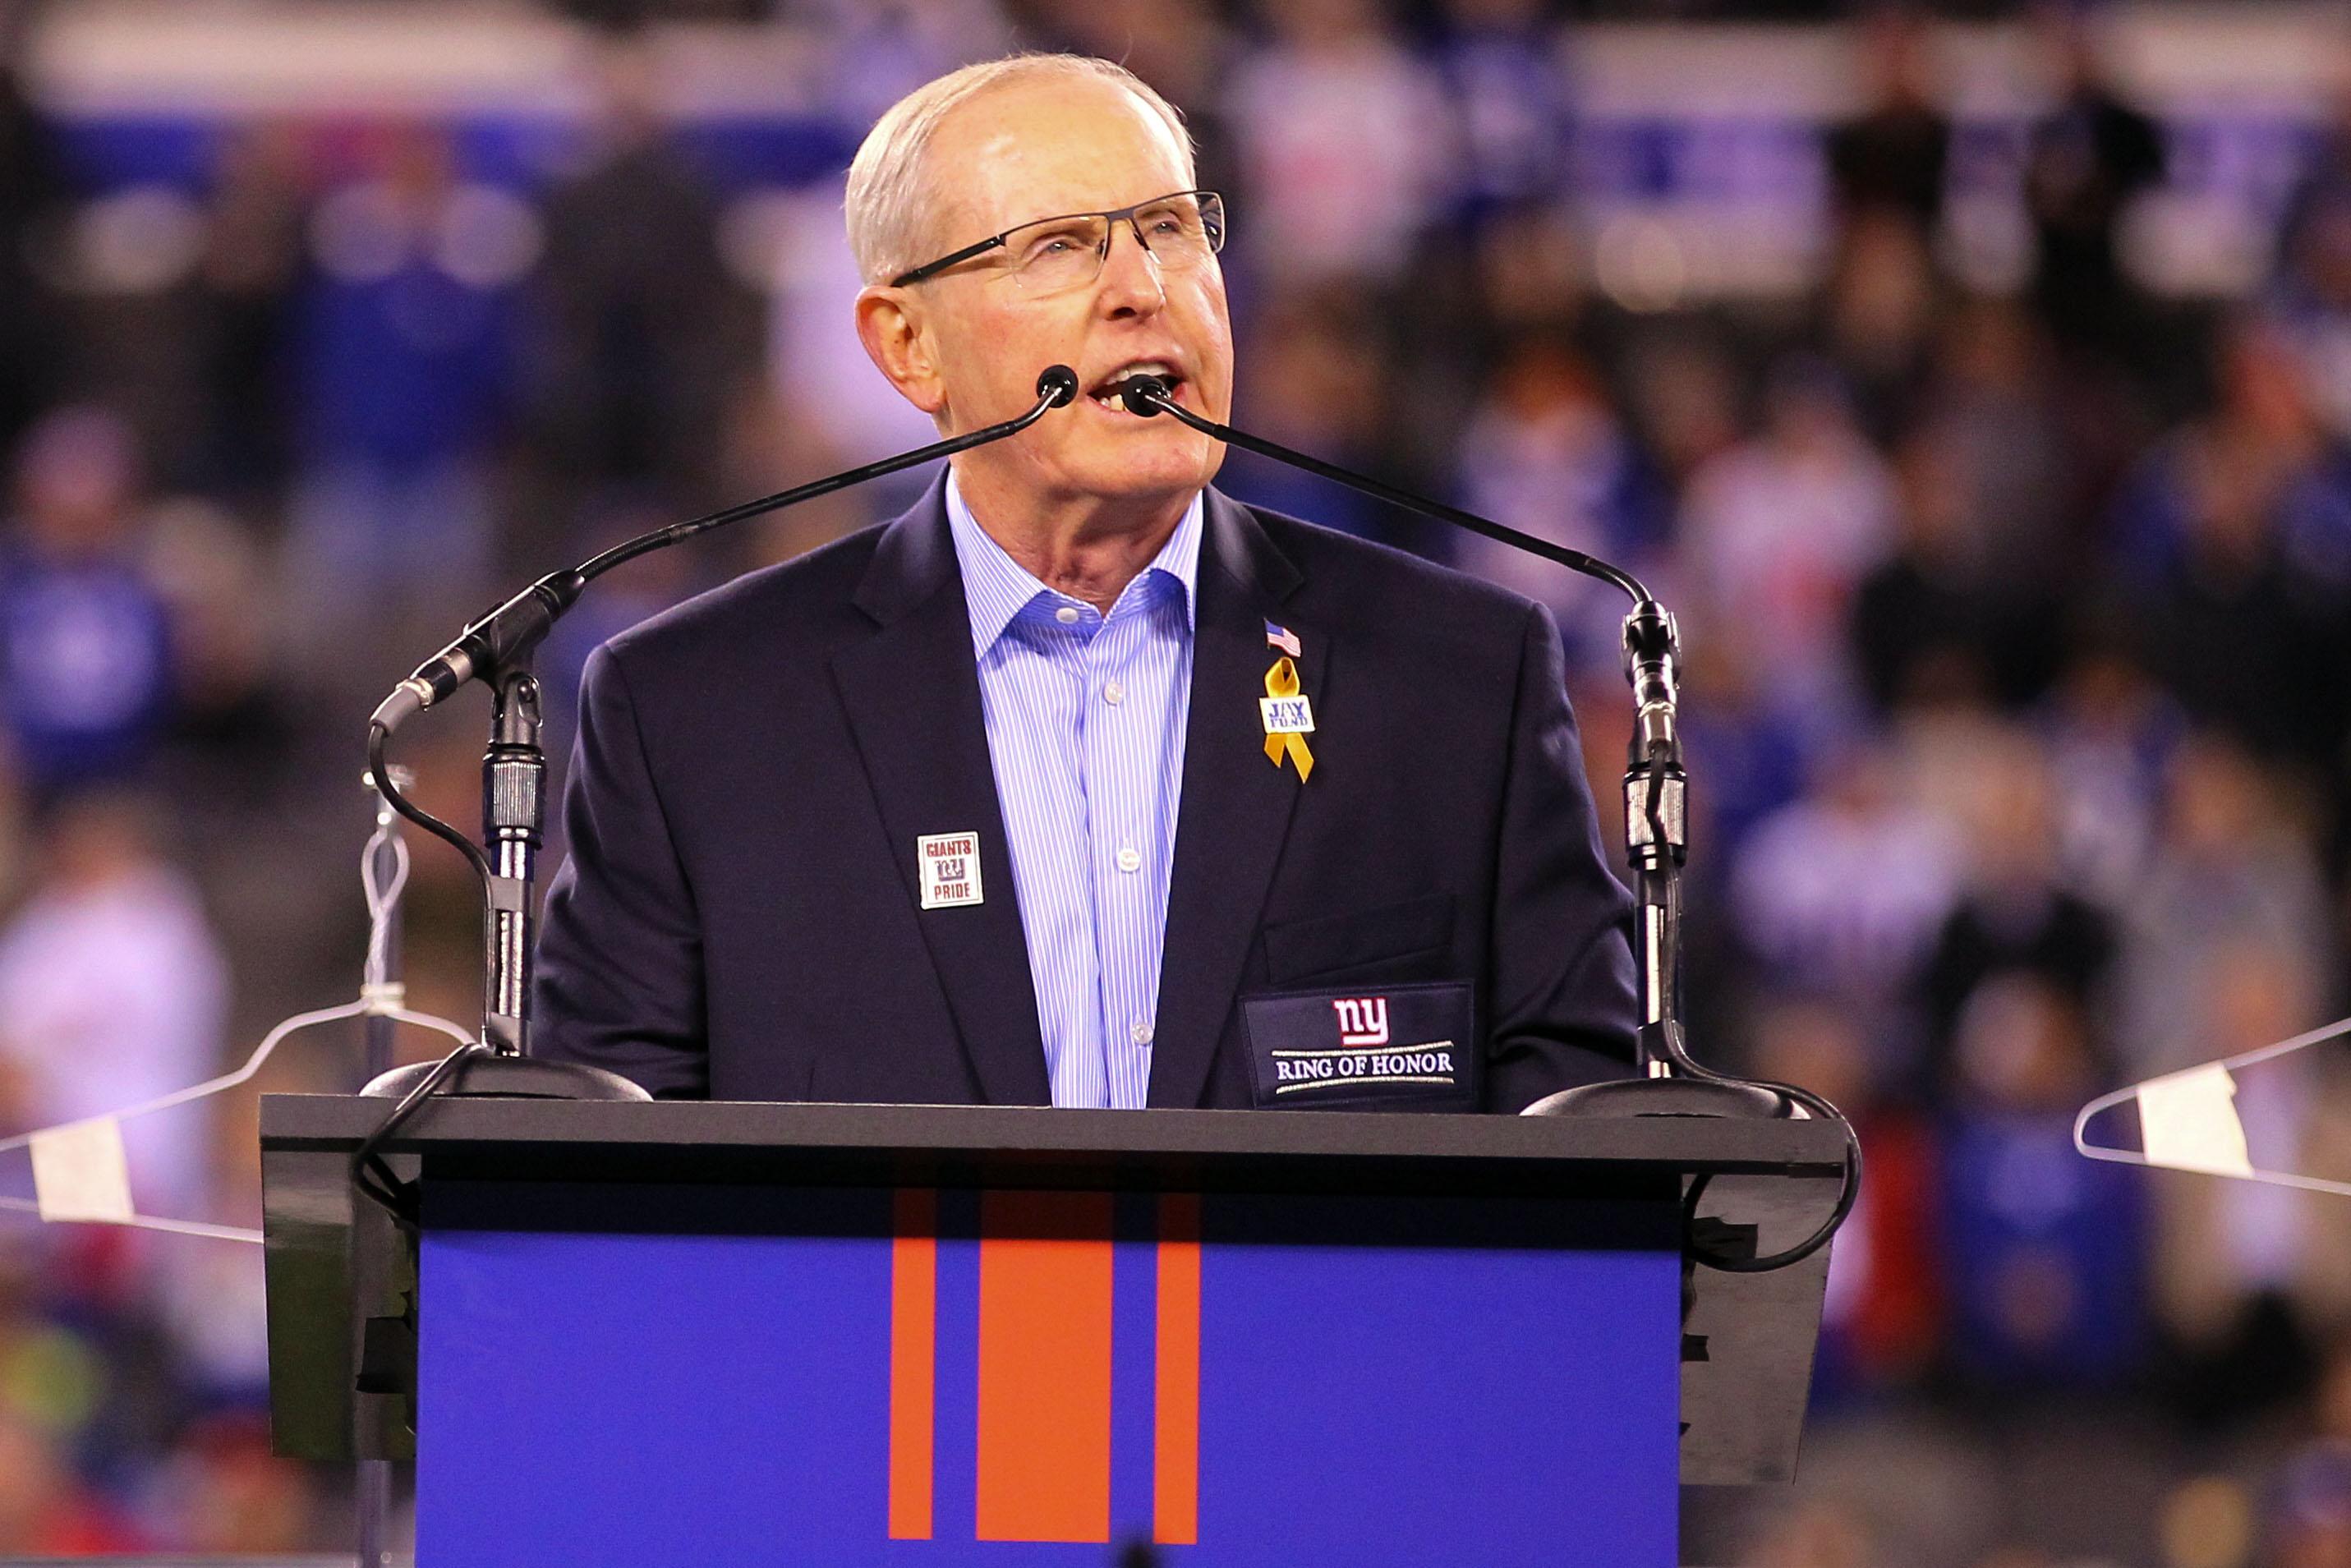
pixel 1060 383
pixel 1144 394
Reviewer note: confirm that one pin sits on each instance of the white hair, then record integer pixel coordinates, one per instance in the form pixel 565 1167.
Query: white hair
pixel 890 196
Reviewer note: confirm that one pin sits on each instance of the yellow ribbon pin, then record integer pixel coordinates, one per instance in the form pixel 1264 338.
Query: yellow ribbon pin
pixel 1286 722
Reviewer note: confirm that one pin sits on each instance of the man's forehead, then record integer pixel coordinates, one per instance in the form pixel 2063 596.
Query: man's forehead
pixel 1039 147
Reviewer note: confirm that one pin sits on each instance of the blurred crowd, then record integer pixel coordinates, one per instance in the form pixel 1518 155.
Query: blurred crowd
pixel 2019 687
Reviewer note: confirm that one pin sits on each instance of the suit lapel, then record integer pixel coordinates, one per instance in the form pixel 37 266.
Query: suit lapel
pixel 1235 806
pixel 911 694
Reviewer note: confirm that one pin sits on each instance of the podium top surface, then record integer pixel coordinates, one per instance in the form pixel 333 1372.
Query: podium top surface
pixel 727 1141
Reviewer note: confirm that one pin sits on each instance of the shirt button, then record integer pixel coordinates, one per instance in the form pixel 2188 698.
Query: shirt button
pixel 1114 694
pixel 1067 616
pixel 1141 1033
pixel 1129 861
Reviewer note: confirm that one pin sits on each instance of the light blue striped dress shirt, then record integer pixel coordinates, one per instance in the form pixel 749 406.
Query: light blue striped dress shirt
pixel 1085 728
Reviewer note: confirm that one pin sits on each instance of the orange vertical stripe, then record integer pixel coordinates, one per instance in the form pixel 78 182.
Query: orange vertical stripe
pixel 1176 1465
pixel 1044 1366
pixel 913 1340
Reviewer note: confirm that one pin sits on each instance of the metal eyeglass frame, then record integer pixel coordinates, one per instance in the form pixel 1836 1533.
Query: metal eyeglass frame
pixel 1111 216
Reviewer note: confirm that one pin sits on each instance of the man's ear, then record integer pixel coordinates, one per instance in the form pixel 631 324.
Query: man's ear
pixel 889 324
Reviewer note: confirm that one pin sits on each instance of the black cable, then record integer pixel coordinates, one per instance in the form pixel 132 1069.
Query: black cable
pixel 379 737
pixel 1689 1066
pixel 1670 1041
pixel 371 1172
pixel 1848 1193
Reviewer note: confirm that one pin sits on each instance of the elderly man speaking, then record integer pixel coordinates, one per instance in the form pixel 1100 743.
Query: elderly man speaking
pixel 1080 783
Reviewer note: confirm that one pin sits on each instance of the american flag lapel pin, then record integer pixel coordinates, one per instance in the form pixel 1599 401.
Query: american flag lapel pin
pixel 1287 715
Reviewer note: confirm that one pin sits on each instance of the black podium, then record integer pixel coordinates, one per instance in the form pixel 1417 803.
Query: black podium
pixel 716 1333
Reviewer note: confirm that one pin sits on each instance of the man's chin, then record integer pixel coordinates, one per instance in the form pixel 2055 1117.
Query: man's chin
pixel 1145 470
pixel 1140 488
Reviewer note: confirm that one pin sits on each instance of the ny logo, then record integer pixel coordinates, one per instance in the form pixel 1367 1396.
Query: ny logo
pixel 1363 1021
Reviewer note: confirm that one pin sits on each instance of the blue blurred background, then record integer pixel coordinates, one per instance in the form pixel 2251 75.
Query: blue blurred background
pixel 1975 384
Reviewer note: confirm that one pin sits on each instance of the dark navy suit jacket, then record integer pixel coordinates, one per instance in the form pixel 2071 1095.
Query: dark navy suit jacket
pixel 739 916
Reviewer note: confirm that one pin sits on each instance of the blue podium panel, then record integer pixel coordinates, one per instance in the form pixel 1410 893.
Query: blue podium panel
pixel 699 1377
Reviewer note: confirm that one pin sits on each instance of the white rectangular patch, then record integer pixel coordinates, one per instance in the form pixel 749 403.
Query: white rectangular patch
pixel 78 1172
pixel 1286 716
pixel 2188 1121
pixel 948 864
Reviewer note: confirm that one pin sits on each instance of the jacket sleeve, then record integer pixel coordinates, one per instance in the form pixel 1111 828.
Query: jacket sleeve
pixel 1560 991
pixel 620 980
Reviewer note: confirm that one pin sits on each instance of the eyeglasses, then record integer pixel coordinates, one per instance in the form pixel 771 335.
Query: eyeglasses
pixel 1050 254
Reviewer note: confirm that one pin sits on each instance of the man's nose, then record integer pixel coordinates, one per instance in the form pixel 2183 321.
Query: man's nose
pixel 1130 274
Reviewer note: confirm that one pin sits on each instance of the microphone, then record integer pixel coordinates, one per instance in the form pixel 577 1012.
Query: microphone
pixel 1655 836
pixel 515 628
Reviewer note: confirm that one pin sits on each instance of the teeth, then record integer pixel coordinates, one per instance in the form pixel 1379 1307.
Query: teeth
pixel 1140 368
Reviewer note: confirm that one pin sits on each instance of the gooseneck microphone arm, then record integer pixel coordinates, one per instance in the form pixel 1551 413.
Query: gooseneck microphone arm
pixel 1655 834
pixel 518 625
pixel 497 649
pixel 1148 395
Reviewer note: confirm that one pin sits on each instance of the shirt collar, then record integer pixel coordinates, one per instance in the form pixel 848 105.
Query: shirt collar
pixel 997 589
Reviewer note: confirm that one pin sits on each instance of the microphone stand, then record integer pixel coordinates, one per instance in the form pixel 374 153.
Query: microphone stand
pixel 1671 1081
pixel 498 648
